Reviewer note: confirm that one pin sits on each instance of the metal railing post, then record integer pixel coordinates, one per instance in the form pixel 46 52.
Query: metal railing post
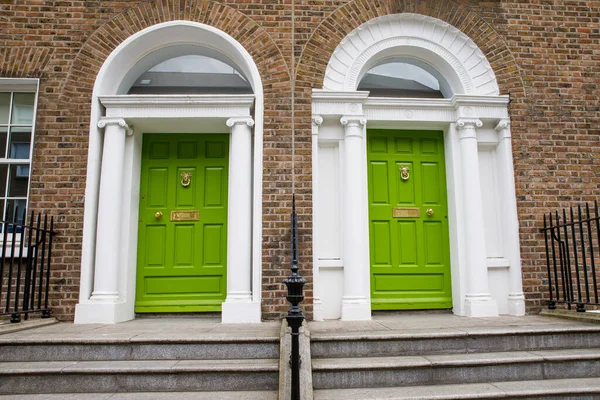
pixel 295 317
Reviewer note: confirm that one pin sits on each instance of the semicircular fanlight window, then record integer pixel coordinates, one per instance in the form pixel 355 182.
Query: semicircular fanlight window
pixel 402 78
pixel 191 74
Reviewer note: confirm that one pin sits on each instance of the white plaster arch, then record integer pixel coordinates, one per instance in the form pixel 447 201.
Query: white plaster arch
pixel 133 56
pixel 423 38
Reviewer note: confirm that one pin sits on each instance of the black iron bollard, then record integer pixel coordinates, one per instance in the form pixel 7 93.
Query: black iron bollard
pixel 294 318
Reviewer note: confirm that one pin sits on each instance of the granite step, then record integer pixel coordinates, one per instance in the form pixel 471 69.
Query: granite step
pixel 105 349
pixel 237 395
pixel 366 372
pixel 453 341
pixel 563 389
pixel 138 376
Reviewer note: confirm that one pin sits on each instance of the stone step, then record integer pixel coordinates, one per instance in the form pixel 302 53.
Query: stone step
pixel 99 349
pixel 583 388
pixel 138 376
pixel 369 372
pixel 454 341
pixel 237 395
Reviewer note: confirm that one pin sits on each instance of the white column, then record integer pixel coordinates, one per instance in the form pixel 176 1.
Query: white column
pixel 317 120
pixel 108 236
pixel 106 304
pixel 510 222
pixel 478 302
pixel 356 303
pixel 238 306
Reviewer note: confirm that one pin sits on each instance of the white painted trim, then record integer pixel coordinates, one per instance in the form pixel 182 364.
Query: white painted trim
pixel 132 57
pixel 20 85
pixel 317 120
pixel 410 110
pixel 177 106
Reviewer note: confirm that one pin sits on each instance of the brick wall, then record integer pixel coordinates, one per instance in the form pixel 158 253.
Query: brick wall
pixel 545 53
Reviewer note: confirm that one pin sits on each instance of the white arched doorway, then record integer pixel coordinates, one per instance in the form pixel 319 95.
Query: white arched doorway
pixel 472 117
pixel 112 200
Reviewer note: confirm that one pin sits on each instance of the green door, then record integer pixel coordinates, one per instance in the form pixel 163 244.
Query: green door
pixel 410 257
pixel 182 242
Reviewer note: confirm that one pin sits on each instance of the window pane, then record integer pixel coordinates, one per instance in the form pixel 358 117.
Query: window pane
pixel 400 78
pixel 20 142
pixel 15 210
pixel 3 137
pixel 23 108
pixel 3 171
pixel 19 180
pixel 4 107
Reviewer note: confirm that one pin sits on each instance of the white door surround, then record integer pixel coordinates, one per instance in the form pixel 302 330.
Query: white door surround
pixel 484 246
pixel 108 269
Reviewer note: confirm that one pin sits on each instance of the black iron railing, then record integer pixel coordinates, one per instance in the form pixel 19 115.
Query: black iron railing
pixel 295 284
pixel 25 260
pixel 573 256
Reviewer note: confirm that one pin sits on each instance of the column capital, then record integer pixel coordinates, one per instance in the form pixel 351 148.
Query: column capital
pixel 467 127
pixel 468 123
pixel 106 121
pixel 503 129
pixel 503 124
pixel 353 124
pixel 317 120
pixel 231 122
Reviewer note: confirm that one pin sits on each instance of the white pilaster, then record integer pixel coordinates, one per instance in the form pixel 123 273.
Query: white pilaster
pixel 356 300
pixel 510 228
pixel 478 302
pixel 238 306
pixel 317 120
pixel 105 301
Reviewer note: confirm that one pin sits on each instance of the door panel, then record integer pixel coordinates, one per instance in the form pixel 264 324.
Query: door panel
pixel 410 257
pixel 182 262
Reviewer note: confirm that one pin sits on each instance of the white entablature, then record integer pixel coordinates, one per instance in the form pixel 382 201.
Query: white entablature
pixel 329 103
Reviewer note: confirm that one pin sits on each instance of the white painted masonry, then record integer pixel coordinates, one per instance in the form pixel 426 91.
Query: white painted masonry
pixel 356 303
pixel 238 306
pixel 107 291
pixel 478 301
pixel 474 119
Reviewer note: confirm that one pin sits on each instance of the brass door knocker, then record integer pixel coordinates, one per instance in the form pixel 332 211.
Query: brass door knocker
pixel 186 179
pixel 404 173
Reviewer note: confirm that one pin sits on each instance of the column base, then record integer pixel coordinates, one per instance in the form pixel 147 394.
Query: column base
pixel 516 304
pixel 237 312
pixel 317 310
pixel 105 297
pixel 480 306
pixel 97 312
pixel 356 309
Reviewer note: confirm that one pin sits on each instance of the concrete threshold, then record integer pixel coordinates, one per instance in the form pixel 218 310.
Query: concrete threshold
pixel 8 327
pixel 589 316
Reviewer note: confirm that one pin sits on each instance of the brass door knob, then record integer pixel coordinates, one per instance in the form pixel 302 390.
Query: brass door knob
pixel 158 215
pixel 429 212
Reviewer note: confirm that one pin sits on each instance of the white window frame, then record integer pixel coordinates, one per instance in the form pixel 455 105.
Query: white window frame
pixel 18 85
